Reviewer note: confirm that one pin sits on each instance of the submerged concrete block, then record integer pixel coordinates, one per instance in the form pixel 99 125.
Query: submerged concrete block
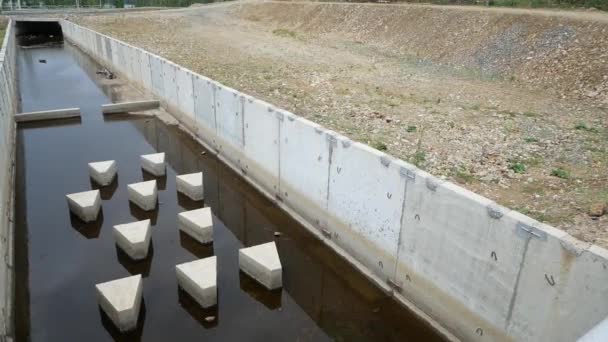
pixel 85 204
pixel 154 163
pixel 191 185
pixel 134 106
pixel 262 263
pixel 197 223
pixel 199 279
pixel 103 172
pixel 144 194
pixel 121 299
pixel 48 115
pixel 134 238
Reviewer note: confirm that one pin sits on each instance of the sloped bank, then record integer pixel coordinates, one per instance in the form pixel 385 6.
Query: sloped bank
pixel 484 272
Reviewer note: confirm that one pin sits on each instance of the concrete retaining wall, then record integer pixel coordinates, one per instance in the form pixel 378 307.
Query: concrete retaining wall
pixel 8 107
pixel 482 271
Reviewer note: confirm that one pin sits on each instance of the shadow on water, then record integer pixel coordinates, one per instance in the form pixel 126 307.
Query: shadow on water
pixel 323 298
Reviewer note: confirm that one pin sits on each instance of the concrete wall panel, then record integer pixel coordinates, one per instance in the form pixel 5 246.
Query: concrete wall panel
pixel 304 188
pixel 204 108
pixel 158 84
pixel 366 192
pixel 229 119
pixel 458 246
pixel 563 286
pixel 185 91
pixel 145 70
pixel 169 82
pixel 261 135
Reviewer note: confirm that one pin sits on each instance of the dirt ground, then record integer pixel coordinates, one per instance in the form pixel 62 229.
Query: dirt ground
pixel 512 104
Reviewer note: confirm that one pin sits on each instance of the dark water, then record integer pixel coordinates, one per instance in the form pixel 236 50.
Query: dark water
pixel 60 259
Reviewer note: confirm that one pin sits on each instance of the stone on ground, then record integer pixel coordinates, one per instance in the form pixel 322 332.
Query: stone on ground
pixel 191 185
pixel 154 163
pixel 103 172
pixel 134 238
pixel 120 299
pixel 144 194
pixel 199 279
pixel 197 223
pixel 85 205
pixel 262 263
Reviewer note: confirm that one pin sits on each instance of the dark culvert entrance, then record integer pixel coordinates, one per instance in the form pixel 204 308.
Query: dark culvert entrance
pixel 31 33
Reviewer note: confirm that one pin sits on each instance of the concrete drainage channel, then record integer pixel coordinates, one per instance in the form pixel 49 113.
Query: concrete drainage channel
pixel 476 270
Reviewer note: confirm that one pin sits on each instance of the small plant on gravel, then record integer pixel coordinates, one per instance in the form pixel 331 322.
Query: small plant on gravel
pixel 284 33
pixel 418 158
pixel 517 167
pixel 463 175
pixel 531 140
pixel 411 129
pixel 560 173
pixel 581 126
pixel 380 146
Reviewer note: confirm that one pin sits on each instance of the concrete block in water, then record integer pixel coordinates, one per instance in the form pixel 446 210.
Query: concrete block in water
pixel 191 185
pixel 121 299
pixel 262 263
pixel 154 163
pixel 134 238
pixel 103 172
pixel 199 279
pixel 134 106
pixel 48 115
pixel 85 204
pixel 144 194
pixel 197 223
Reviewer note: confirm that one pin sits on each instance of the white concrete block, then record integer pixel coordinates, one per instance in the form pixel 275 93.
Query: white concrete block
pixel 48 115
pixel 132 106
pixel 262 263
pixel 143 194
pixel 85 204
pixel 154 163
pixel 121 299
pixel 134 238
pixel 103 172
pixel 197 223
pixel 191 185
pixel 199 279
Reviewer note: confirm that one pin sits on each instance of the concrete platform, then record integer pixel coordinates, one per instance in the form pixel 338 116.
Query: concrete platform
pixel 134 238
pixel 85 205
pixel 197 223
pixel 134 106
pixel 262 263
pixel 103 172
pixel 191 185
pixel 154 163
pixel 48 115
pixel 199 279
pixel 144 194
pixel 121 299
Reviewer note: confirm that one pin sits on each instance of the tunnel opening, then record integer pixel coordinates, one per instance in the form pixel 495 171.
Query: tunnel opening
pixel 33 33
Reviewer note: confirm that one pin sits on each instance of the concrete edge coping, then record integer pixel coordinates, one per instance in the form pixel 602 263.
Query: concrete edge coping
pixel 132 106
pixel 48 115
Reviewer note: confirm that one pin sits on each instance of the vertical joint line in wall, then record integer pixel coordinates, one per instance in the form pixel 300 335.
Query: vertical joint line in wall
pixel 242 103
pixel 329 162
pixel 278 189
pixel 514 297
pixel 399 236
pixel 214 96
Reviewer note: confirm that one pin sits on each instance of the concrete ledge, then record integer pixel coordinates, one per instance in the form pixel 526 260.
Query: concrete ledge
pixel 48 115
pixel 124 107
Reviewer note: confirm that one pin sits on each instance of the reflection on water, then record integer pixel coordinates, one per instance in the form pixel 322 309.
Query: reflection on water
pixel 60 258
